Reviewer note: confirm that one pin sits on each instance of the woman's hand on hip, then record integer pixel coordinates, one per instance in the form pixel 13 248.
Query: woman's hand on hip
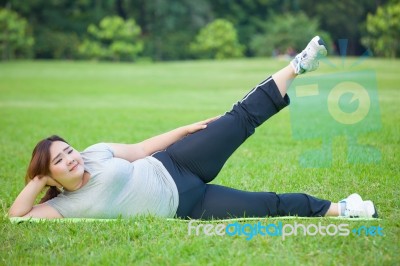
pixel 200 125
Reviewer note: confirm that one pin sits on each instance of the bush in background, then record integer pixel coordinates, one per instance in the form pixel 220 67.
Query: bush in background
pixel 383 31
pixel 114 39
pixel 217 40
pixel 15 39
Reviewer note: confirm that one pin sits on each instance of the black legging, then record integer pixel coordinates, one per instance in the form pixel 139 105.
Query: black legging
pixel 197 159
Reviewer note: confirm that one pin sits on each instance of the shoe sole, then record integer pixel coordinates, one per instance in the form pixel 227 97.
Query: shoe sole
pixel 319 43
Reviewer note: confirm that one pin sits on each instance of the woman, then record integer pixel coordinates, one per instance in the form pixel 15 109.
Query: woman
pixel 168 175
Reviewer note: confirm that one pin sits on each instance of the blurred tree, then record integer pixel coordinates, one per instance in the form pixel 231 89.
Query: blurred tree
pixel 217 40
pixel 168 26
pixel 15 39
pixel 343 19
pixel 114 39
pixel 56 44
pixel 383 30
pixel 287 34
pixel 248 16
pixel 60 22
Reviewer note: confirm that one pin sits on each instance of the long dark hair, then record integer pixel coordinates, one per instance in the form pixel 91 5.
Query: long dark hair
pixel 40 164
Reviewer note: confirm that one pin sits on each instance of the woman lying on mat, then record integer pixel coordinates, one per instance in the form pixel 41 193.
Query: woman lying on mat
pixel 168 175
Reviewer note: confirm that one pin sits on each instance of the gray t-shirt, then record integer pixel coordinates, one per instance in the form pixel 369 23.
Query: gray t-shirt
pixel 119 188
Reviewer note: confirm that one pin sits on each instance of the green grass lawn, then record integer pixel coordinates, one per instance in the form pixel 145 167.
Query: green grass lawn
pixel 88 102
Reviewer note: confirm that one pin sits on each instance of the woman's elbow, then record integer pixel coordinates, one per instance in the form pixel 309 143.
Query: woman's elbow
pixel 12 212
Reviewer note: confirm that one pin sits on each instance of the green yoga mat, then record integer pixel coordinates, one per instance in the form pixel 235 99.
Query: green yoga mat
pixel 17 220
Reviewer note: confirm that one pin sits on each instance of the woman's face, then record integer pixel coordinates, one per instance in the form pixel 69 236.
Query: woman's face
pixel 66 165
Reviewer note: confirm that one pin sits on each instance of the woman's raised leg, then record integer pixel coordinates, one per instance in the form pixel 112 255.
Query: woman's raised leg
pixel 205 152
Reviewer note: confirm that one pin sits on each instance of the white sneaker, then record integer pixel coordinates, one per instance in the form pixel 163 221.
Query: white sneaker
pixel 357 208
pixel 308 59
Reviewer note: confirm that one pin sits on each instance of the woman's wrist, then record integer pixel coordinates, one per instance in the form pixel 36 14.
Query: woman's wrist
pixel 185 130
pixel 39 181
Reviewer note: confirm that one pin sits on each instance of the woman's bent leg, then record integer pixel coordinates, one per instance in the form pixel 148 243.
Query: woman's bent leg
pixel 205 152
pixel 190 187
pixel 222 202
